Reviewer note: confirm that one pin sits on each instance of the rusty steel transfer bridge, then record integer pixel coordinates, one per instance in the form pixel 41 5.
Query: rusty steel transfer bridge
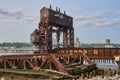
pixel 64 59
pixel 93 53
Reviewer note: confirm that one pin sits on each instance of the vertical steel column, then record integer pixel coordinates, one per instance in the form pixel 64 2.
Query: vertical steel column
pixel 68 41
pixel 65 38
pixel 24 64
pixel 58 38
pixel 50 38
pixel 72 38
pixel 5 65
pixel 14 63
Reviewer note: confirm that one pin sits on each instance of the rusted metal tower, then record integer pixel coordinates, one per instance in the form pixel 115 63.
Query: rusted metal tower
pixel 52 21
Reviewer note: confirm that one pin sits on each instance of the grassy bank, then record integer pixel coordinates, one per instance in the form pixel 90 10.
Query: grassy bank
pixel 33 73
pixel 16 74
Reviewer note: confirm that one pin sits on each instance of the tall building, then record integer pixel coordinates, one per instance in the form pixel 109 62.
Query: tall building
pixel 77 43
pixel 54 43
pixel 107 41
pixel 108 44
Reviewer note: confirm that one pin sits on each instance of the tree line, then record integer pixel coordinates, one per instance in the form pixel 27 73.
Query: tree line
pixel 15 44
pixel 23 44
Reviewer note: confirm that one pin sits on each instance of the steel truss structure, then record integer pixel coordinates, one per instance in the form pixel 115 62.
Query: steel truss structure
pixel 59 62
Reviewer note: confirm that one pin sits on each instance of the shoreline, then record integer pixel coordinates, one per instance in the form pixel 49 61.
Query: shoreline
pixel 99 74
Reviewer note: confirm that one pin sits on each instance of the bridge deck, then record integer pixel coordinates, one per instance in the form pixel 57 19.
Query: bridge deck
pixel 92 53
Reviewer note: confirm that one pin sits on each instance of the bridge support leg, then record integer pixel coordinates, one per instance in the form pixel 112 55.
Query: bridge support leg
pixel 24 64
pixel 5 66
pixel 51 65
pixel 14 63
pixel 113 61
pixel 81 60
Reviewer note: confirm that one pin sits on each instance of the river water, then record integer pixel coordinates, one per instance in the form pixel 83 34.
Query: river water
pixel 106 64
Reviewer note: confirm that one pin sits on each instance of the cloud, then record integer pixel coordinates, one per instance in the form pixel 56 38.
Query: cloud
pixel 118 12
pixel 18 14
pixel 98 19
pixel 5 13
pixel 92 16
pixel 30 19
pixel 13 15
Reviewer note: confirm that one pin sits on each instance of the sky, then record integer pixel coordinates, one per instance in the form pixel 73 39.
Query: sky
pixel 94 20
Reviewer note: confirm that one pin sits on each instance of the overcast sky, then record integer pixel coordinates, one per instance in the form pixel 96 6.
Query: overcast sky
pixel 94 20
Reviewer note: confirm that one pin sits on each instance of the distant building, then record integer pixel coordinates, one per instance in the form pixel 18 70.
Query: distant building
pixel 77 43
pixel 109 45
pixel 54 42
pixel 107 41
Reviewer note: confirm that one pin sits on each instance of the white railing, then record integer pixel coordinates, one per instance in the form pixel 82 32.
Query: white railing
pixel 16 51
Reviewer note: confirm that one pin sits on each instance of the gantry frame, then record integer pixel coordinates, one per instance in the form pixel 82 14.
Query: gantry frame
pixel 53 22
